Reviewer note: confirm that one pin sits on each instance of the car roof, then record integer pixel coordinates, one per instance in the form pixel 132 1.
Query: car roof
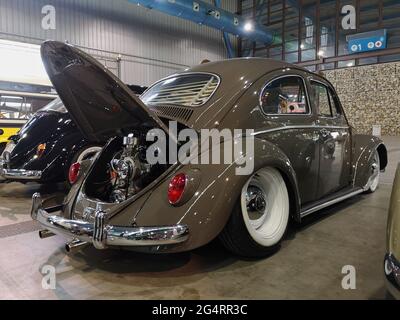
pixel 249 68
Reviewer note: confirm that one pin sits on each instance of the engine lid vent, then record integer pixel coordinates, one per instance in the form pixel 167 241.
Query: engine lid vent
pixel 192 90
pixel 174 113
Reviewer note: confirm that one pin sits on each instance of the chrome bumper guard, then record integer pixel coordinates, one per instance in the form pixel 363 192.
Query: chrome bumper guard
pixel 18 174
pixel 103 235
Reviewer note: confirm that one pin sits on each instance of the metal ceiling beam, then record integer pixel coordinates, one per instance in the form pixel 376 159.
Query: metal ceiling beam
pixel 225 35
pixel 207 14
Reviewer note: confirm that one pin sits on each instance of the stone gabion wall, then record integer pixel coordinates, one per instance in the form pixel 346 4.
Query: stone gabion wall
pixel 370 96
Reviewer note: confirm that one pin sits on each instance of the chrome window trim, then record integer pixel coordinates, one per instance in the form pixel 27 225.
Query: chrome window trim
pixel 310 113
pixel 316 127
pixel 183 74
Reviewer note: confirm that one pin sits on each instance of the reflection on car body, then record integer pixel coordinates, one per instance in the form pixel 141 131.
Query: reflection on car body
pixel 304 161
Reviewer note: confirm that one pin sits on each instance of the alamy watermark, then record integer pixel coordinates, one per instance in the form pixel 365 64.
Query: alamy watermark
pixel 207 146
pixel 349 281
pixel 49 277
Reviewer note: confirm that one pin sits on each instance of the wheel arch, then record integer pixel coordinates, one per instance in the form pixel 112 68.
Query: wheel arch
pixel 383 156
pixel 365 147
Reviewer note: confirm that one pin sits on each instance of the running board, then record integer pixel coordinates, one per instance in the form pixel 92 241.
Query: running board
pixel 331 202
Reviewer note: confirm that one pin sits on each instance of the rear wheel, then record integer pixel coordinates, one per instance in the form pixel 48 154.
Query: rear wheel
pixel 259 221
pixel 373 181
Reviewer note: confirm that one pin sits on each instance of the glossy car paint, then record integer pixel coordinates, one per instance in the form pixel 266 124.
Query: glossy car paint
pixel 62 138
pixel 314 167
pixel 393 236
pixel 8 128
pixel 98 102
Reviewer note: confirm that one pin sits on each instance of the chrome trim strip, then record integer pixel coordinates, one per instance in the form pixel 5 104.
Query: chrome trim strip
pixel 103 235
pixel 330 203
pixel 299 127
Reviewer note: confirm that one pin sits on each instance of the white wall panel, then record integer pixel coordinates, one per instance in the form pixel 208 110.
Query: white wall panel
pixel 152 44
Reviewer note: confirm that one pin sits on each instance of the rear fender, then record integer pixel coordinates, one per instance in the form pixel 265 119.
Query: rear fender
pixel 365 147
pixel 218 190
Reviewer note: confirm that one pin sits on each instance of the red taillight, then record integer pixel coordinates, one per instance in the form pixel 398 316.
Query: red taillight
pixel 176 188
pixel 73 173
pixel 41 148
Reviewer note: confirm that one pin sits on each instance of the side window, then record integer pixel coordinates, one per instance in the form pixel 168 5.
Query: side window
pixel 321 99
pixel 285 96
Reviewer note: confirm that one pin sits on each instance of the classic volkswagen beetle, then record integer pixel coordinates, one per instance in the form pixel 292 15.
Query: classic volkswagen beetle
pixel 46 146
pixel 392 259
pixel 306 156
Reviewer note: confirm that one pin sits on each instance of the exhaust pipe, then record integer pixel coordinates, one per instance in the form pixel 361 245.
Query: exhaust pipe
pixel 43 234
pixel 75 245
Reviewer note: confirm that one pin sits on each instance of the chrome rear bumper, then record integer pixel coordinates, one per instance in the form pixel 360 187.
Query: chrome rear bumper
pixel 103 235
pixel 18 174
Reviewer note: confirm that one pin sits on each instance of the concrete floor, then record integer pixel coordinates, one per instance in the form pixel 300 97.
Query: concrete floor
pixel 308 266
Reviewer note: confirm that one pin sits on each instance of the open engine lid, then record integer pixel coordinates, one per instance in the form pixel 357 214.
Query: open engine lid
pixel 100 104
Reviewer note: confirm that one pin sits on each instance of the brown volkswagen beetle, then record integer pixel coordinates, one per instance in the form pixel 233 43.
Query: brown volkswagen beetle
pixel 306 156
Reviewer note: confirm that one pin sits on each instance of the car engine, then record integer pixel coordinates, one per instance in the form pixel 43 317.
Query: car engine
pixel 127 168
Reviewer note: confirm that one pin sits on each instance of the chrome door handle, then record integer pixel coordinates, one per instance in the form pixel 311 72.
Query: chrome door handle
pixel 324 133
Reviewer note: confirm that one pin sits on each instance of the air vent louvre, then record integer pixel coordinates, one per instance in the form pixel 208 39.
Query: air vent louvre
pixel 174 113
pixel 193 93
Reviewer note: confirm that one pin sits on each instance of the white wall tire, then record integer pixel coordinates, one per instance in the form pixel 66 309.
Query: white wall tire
pixel 373 181
pixel 259 221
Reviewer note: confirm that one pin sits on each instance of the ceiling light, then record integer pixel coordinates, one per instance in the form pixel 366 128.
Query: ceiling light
pixel 248 27
pixel 321 53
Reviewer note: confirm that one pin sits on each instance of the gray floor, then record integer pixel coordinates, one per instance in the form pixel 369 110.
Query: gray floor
pixel 308 266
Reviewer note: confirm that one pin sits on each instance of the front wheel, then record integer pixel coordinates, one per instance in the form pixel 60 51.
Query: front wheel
pixel 373 181
pixel 259 221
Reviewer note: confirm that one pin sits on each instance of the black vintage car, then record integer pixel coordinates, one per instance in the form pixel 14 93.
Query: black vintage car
pixel 46 146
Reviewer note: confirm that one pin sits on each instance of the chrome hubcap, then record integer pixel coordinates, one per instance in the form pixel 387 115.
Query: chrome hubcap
pixel 256 204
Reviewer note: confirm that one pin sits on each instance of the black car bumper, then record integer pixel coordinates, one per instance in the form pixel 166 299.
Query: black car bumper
pixel 392 275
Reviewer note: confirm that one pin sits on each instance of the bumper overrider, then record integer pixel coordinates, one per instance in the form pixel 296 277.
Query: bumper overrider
pixel 392 273
pixel 18 174
pixel 101 234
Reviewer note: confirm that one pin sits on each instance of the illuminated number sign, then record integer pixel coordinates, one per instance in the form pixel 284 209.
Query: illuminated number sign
pixel 368 41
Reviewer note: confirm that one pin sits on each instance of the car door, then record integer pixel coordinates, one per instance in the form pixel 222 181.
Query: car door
pixel 289 123
pixel 334 139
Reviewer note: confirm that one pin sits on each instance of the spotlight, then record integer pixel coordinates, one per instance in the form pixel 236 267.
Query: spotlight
pixel 248 27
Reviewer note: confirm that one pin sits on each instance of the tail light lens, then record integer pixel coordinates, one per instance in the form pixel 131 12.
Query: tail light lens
pixel 176 188
pixel 73 172
pixel 41 148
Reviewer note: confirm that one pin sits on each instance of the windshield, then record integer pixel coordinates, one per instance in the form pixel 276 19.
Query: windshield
pixel 190 90
pixel 57 105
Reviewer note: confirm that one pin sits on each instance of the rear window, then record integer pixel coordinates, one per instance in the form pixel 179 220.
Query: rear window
pixel 192 90
pixel 57 105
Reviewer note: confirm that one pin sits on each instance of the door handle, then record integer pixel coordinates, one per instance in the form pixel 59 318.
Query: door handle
pixel 324 133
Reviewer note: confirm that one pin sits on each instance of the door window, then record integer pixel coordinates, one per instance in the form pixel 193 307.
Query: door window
pixel 324 100
pixel 285 96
